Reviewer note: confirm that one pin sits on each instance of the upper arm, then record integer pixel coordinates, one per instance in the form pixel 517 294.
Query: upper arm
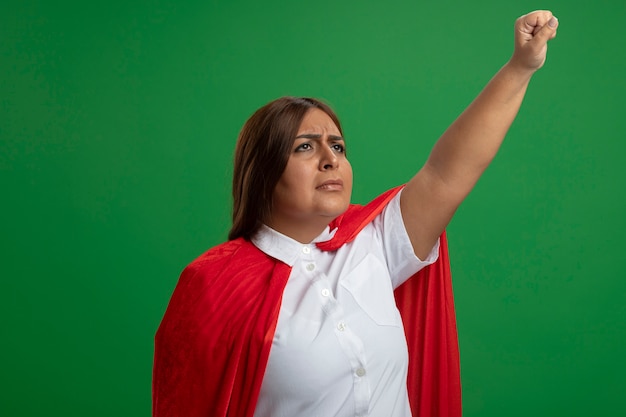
pixel 428 203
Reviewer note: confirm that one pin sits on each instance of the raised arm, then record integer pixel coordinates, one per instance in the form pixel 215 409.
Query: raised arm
pixel 467 147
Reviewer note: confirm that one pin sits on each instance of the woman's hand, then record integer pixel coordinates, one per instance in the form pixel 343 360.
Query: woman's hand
pixel 532 33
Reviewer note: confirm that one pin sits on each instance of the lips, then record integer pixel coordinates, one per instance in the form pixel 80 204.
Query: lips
pixel 331 185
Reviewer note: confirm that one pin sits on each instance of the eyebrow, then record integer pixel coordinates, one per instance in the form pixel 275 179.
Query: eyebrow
pixel 318 136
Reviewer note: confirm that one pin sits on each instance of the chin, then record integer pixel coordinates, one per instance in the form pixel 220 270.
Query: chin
pixel 336 210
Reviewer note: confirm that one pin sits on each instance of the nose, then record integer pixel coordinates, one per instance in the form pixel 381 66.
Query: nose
pixel 328 159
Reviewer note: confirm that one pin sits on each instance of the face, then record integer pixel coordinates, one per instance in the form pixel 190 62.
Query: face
pixel 317 183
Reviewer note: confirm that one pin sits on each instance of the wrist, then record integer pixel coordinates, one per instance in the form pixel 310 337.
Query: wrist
pixel 515 71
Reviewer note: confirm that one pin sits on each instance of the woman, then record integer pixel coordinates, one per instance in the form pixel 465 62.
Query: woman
pixel 296 314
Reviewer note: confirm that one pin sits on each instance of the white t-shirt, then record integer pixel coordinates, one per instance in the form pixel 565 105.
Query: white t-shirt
pixel 339 349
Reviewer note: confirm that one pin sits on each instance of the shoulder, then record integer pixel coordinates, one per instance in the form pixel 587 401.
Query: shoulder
pixel 220 283
pixel 227 258
pixel 218 254
pixel 355 219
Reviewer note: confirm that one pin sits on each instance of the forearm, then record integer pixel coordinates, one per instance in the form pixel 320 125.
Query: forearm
pixel 467 147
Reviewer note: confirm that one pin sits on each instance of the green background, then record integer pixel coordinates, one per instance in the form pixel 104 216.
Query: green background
pixel 118 122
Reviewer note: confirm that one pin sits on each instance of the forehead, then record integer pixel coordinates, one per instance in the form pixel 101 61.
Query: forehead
pixel 316 120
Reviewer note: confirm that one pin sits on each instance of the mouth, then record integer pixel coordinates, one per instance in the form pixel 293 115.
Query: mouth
pixel 331 185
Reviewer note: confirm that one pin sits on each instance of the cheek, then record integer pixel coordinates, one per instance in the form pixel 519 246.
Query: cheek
pixel 289 189
pixel 348 173
pixel 298 175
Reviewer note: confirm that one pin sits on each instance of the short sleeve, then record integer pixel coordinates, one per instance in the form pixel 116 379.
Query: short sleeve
pixel 398 251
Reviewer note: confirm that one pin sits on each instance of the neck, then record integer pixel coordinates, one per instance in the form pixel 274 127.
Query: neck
pixel 303 232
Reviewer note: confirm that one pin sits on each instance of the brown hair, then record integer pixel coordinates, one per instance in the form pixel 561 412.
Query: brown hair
pixel 261 155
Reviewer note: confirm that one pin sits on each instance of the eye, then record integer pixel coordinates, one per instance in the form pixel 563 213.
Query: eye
pixel 338 147
pixel 303 147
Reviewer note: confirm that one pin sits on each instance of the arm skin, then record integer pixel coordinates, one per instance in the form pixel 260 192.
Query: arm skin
pixel 466 148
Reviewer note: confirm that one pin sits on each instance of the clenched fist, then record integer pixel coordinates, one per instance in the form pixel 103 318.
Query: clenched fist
pixel 532 33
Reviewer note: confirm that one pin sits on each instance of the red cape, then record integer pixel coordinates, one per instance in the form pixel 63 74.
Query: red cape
pixel 213 343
